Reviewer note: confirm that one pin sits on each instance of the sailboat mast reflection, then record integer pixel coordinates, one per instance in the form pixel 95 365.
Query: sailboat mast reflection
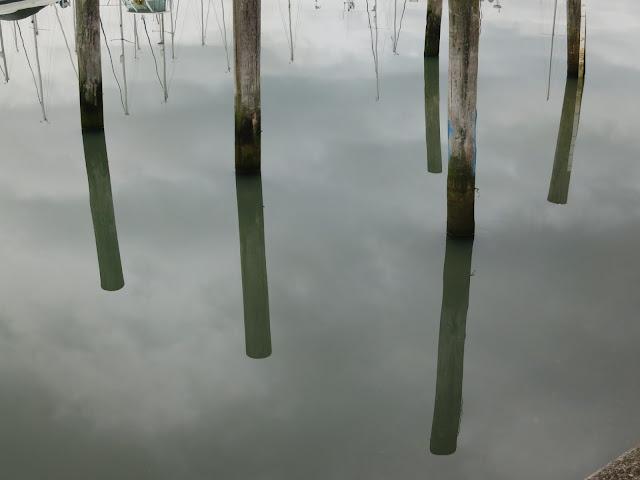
pixel 3 53
pixel 374 42
pixel 101 202
pixel 253 264
pixel 453 321
pixel 432 113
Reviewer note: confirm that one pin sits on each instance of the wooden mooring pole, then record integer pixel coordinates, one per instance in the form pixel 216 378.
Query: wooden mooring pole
pixel 101 202
pixel 453 321
pixel 246 49
pixel 432 113
pixel 432 30
pixel 464 35
pixel 253 264
pixel 574 15
pixel 89 64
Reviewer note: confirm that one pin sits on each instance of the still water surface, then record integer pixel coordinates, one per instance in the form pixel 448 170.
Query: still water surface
pixel 153 381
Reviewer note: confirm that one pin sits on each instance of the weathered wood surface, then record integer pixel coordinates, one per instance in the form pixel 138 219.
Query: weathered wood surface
pixel 574 15
pixel 102 213
pixel 625 467
pixel 453 321
pixel 432 113
pixel 246 48
pixel 567 135
pixel 432 30
pixel 89 64
pixel 253 264
pixel 464 35
pixel 582 60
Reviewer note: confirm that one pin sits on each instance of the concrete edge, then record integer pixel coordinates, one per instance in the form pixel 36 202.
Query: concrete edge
pixel 625 467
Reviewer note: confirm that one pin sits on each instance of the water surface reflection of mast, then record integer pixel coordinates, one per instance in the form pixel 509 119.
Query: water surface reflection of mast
pixel 290 32
pixel 164 59
pixel 124 71
pixel 453 321
pixel 397 28
pixel 4 56
pixel 35 40
pixel 157 8
pixel 255 296
pixel 374 44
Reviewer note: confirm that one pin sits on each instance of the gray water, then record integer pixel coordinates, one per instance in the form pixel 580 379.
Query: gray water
pixel 153 381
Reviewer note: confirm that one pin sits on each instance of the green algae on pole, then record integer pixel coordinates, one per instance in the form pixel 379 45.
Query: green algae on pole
pixel 101 202
pixel 246 49
pixel 253 263
pixel 464 35
pixel 89 64
pixel 453 321
pixel 567 134
pixel 432 30
pixel 432 113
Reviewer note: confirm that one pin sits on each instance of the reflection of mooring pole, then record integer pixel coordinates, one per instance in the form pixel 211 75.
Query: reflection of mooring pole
pixel 253 264
pixel 101 202
pixel 35 40
pixel 123 60
pixel 453 321
pixel 246 49
pixel 4 56
pixel 432 113
pixel 567 134
pixel 568 130
pixel 464 35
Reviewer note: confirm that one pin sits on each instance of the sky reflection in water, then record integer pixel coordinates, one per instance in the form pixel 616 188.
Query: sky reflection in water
pixel 153 381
